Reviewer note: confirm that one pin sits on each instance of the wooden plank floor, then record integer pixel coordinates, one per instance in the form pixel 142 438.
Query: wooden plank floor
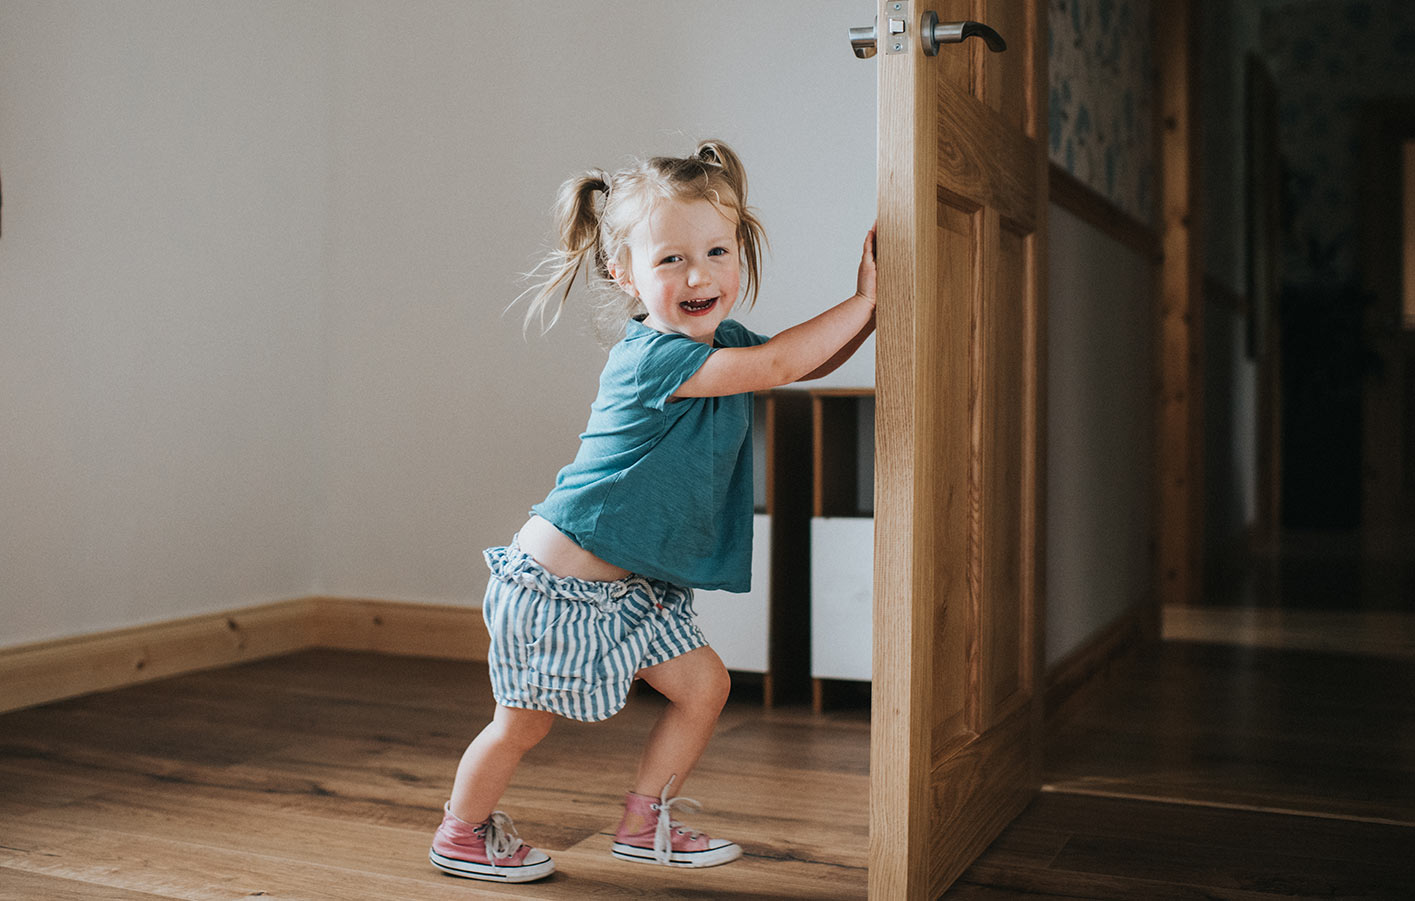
pixel 1207 769
pixel 321 776
pixel 1222 771
pixel 1265 750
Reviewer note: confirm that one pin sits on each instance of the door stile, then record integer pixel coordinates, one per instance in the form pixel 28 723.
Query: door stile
pixel 900 754
pixel 1034 479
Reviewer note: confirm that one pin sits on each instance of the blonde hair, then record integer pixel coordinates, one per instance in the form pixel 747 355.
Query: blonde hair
pixel 596 212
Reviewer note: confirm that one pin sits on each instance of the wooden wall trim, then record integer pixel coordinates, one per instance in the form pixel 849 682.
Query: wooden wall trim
pixel 1092 207
pixel 1077 677
pixel 53 670
pixel 446 631
pixel 1180 487
pixel 48 671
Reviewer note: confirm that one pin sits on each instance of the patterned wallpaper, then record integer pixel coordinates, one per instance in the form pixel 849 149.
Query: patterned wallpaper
pixel 1102 99
pixel 1327 57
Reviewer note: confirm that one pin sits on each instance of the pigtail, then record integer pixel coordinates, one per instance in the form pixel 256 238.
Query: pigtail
pixel 577 217
pixel 751 236
pixel 719 154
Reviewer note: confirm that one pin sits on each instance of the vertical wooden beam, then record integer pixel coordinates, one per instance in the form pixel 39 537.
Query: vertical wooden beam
pixel 1179 530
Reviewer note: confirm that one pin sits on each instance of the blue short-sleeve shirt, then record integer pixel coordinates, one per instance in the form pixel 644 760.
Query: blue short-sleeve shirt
pixel 661 487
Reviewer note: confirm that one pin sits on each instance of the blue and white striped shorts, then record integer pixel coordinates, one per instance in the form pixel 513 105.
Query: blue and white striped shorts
pixel 571 646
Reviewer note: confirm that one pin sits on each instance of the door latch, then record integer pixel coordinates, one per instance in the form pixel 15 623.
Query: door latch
pixel 864 40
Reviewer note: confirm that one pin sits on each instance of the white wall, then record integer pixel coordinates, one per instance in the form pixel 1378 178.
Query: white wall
pixel 1100 432
pixel 455 125
pixel 255 256
pixel 160 279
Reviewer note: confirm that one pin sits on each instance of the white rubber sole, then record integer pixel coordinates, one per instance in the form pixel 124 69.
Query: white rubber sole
pixel 710 857
pixel 527 872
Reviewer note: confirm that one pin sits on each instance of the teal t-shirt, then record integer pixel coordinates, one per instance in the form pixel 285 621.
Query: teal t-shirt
pixel 663 488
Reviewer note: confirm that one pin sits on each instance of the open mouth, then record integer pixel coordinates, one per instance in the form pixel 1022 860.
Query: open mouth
pixel 698 307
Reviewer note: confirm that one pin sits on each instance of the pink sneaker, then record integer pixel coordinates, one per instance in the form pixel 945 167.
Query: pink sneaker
pixel 491 850
pixel 648 834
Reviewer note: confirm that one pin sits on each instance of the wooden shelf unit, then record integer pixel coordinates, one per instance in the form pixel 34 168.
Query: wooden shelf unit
pixel 842 539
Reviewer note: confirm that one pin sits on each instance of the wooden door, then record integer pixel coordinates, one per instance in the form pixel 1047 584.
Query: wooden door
pixel 959 417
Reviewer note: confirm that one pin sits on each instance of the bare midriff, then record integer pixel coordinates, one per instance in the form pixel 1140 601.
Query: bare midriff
pixel 561 556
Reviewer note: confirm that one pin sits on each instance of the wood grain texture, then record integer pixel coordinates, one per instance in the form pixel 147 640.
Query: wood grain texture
pixel 1074 847
pixel 961 403
pixel 1199 771
pixel 52 670
pixel 903 674
pixel 1179 530
pixel 321 775
pixel 1230 725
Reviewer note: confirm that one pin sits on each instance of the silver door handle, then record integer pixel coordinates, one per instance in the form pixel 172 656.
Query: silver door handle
pixel 932 33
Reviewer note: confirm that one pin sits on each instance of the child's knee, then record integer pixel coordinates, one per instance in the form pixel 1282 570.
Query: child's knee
pixel 724 687
pixel 715 687
pixel 523 729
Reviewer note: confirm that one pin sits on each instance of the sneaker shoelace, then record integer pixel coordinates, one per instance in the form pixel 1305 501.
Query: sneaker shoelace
pixel 499 834
pixel 663 832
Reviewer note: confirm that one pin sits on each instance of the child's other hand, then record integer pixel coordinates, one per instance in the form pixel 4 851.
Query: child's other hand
pixel 865 281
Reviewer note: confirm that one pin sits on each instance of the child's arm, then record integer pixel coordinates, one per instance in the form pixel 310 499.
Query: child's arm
pixel 809 350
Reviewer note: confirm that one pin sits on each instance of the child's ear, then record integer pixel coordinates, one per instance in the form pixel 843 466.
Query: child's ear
pixel 622 279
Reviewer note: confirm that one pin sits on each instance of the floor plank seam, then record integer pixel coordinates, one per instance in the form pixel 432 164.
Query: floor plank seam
pixel 1062 789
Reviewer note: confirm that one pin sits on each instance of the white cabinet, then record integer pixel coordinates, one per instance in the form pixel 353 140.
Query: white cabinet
pixel 842 594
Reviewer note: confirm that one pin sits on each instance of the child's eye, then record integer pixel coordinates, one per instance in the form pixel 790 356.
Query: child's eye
pixel 717 252
pixel 672 258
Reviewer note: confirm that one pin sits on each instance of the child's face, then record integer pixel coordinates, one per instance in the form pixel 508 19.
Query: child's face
pixel 684 266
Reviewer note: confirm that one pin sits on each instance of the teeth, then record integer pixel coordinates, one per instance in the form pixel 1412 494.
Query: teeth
pixel 695 305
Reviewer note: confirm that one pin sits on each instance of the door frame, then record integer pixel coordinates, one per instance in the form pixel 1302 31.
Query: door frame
pixel 1179 521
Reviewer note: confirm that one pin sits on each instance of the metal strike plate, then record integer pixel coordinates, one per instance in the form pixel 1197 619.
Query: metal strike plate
pixel 895 36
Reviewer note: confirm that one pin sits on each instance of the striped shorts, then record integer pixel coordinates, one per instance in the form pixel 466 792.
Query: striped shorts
pixel 571 646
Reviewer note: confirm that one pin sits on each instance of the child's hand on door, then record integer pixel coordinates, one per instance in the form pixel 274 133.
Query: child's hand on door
pixel 865 280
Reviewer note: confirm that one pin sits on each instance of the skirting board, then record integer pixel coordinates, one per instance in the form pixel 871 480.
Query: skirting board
pixel 52 670
pixel 1076 678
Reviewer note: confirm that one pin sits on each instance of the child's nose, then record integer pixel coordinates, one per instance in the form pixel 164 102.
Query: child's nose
pixel 697 275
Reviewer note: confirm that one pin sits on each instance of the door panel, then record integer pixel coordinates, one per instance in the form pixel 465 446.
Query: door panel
pixel 956 234
pixel 956 717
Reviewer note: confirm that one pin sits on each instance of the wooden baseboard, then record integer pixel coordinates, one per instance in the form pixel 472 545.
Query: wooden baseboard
pixel 391 627
pixel 1083 672
pixel 52 670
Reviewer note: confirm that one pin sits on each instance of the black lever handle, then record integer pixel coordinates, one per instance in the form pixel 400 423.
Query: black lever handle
pixel 935 33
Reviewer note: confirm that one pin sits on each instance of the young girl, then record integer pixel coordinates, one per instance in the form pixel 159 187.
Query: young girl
pixel 594 591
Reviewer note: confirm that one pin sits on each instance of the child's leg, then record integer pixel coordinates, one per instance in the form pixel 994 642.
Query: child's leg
pixel 491 760
pixel 696 686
